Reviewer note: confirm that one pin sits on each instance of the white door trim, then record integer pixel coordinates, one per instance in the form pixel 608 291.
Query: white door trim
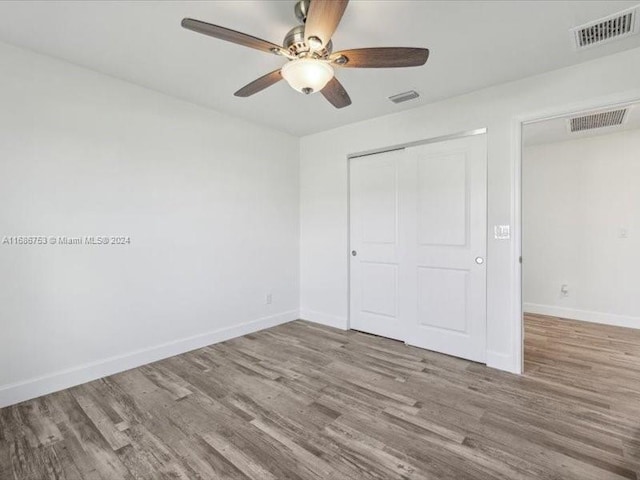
pixel 611 101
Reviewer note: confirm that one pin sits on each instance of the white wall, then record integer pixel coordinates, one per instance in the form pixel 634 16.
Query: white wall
pixel 324 208
pixel 579 197
pixel 211 204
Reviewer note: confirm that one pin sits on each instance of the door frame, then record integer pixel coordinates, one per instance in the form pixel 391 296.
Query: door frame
pixel 391 148
pixel 517 124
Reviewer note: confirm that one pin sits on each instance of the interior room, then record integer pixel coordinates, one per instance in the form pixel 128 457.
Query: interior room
pixel 579 217
pixel 319 239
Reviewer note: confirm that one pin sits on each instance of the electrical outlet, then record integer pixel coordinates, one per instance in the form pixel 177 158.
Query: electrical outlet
pixel 269 299
pixel 564 290
pixel 623 232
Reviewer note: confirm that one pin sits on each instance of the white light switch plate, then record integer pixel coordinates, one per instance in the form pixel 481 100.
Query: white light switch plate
pixel 502 232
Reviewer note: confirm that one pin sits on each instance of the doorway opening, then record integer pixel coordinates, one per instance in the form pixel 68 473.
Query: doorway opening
pixel 580 225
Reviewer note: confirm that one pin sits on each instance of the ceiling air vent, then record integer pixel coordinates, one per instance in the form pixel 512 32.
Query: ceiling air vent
pixel 597 120
pixel 404 96
pixel 606 29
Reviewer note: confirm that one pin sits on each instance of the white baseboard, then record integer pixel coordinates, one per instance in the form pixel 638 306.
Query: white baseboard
pixel 36 387
pixel 324 319
pixel 584 315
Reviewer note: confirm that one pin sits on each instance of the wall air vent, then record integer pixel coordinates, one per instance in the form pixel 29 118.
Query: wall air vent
pixel 613 27
pixel 404 96
pixel 597 120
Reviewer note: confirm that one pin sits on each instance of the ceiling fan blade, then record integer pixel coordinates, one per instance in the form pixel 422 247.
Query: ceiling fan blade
pixel 260 84
pixel 383 57
pixel 336 94
pixel 322 20
pixel 229 35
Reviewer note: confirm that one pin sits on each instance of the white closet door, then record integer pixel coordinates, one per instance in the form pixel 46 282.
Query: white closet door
pixel 375 244
pixel 418 244
pixel 444 206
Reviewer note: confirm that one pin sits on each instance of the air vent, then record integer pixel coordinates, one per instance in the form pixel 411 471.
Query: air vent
pixel 597 120
pixel 606 29
pixel 404 96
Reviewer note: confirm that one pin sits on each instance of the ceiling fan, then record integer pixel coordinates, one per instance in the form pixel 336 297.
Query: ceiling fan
pixel 310 52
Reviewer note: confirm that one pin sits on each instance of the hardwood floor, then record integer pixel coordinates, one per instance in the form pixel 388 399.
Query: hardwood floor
pixel 301 401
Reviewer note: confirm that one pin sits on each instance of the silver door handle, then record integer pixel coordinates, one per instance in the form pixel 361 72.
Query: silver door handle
pixel 353 253
pixel 479 260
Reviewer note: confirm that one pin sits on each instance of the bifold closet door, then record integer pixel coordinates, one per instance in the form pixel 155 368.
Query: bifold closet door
pixel 446 218
pixel 375 244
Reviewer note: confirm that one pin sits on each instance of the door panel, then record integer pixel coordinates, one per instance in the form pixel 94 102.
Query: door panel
pixel 443 199
pixel 447 301
pixel 377 187
pixel 379 287
pixel 442 298
pixel 374 237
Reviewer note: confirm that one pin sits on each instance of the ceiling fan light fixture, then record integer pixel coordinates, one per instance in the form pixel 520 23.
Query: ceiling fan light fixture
pixel 307 75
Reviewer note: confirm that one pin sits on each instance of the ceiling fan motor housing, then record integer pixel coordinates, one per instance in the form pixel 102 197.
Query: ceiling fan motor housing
pixel 294 41
pixel 301 9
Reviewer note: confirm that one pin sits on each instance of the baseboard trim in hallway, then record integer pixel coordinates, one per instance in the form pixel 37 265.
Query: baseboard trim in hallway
pixel 625 321
pixel 36 387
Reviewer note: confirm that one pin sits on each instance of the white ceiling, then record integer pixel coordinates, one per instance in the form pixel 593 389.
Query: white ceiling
pixel 557 129
pixel 473 45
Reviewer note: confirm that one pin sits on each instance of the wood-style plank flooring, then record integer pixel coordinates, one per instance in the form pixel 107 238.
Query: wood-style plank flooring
pixel 301 401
